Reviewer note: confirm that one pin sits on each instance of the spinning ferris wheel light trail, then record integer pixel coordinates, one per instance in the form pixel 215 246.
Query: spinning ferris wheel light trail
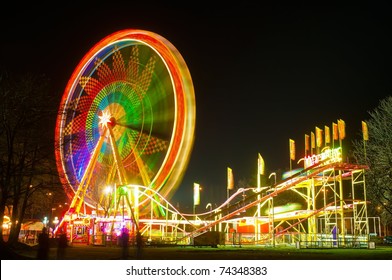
pixel 127 117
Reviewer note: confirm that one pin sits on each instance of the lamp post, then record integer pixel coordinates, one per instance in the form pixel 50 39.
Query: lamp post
pixel 209 205
pixel 51 230
pixel 272 206
pixel 45 221
pixel 273 174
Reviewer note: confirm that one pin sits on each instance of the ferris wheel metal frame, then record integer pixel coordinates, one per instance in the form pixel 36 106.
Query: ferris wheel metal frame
pixel 127 116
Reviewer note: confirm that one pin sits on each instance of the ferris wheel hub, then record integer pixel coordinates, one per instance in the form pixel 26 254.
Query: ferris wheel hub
pixel 106 119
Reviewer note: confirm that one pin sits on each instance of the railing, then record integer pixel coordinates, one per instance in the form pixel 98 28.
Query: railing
pixel 243 239
pixel 322 241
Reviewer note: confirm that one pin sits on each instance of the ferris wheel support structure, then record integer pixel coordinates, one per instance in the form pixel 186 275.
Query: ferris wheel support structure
pixel 78 199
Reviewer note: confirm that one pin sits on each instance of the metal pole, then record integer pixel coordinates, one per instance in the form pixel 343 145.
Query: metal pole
pixel 273 223
pixel 258 198
pixel 273 211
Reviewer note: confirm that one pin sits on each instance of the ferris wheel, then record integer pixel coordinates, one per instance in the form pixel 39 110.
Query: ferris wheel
pixel 127 116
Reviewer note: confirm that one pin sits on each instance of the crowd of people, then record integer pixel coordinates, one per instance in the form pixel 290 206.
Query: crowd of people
pixel 124 242
pixel 44 244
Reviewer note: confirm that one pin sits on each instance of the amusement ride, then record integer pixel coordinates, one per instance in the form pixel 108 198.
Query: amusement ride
pixel 124 134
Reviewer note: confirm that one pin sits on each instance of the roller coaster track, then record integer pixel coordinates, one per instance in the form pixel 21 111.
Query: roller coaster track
pixel 313 213
pixel 280 187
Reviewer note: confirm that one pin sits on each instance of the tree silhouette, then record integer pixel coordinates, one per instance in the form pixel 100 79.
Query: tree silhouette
pixel 27 164
pixel 376 152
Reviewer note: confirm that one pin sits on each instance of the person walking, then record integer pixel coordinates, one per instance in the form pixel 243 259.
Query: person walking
pixel 62 245
pixel 124 239
pixel 43 245
pixel 139 245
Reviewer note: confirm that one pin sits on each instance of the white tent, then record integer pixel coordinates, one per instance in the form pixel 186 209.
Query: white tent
pixel 32 225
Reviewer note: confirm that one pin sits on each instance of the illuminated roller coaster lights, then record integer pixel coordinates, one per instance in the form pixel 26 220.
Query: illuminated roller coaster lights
pixel 297 178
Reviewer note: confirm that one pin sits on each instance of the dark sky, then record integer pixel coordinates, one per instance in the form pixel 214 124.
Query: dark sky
pixel 261 74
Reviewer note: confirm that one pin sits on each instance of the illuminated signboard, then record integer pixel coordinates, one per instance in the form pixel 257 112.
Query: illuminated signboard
pixel 327 156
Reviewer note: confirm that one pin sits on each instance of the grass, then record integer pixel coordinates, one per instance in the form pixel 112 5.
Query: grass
pixel 278 253
pixel 88 252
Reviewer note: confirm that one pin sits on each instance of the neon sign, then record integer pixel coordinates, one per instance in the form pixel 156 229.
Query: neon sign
pixel 328 156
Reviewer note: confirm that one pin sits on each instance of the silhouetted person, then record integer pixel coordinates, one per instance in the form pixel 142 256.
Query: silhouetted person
pixel 43 245
pixel 124 239
pixel 61 246
pixel 139 245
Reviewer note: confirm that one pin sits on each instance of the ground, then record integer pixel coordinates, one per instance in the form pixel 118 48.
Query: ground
pixel 88 252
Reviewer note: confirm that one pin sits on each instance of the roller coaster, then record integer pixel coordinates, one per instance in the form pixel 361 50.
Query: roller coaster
pixel 333 213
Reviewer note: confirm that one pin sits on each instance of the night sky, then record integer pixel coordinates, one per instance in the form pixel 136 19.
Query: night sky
pixel 262 74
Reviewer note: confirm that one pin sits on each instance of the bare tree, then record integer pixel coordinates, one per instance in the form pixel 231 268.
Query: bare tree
pixel 27 164
pixel 376 152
